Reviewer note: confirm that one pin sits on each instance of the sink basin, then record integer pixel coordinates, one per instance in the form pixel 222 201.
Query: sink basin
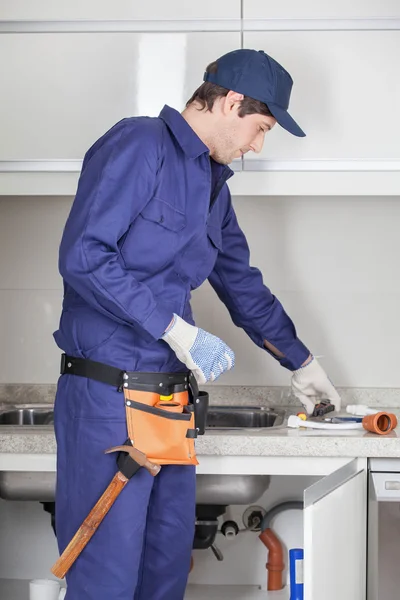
pixel 220 489
pixel 226 490
pixel 244 417
pixel 27 416
pixel 219 417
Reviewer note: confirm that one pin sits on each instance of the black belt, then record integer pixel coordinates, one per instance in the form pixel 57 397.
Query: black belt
pixel 161 383
pixel 164 384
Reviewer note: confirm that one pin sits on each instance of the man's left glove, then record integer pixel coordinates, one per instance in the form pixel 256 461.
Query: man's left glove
pixel 203 353
pixel 310 385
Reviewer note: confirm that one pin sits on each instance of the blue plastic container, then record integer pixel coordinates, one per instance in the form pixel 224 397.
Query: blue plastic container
pixel 296 557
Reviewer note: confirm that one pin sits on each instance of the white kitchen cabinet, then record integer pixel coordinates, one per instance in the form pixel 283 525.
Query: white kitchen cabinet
pixel 335 520
pixel 122 9
pixel 310 9
pixel 334 538
pixel 345 96
pixel 60 92
pixel 334 517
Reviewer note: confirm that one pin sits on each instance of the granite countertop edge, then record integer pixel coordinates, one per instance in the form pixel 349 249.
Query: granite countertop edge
pixel 277 441
pixel 282 442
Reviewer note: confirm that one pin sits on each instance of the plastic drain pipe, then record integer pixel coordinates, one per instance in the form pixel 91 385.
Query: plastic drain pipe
pixel 275 564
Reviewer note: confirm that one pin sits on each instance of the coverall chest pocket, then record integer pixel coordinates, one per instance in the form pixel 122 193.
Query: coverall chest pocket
pixel 198 258
pixel 153 238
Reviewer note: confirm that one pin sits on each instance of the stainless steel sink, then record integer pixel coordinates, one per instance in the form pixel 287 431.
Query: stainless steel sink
pixel 219 417
pixel 210 489
pixel 27 416
pixel 244 417
pixel 32 486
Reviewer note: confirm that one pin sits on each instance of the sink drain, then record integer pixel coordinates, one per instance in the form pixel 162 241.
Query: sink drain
pixel 253 516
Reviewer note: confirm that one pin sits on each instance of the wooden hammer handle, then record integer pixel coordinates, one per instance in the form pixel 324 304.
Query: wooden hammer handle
pixel 89 526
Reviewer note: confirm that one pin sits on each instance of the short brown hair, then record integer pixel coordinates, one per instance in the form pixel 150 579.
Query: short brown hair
pixel 207 94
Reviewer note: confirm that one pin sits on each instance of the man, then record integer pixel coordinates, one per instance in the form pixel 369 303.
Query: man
pixel 151 221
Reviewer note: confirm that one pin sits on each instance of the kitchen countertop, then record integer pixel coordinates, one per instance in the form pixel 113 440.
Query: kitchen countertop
pixel 276 441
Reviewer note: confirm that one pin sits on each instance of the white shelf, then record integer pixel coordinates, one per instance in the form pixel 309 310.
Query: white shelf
pixel 129 25
pixel 167 25
pixel 233 592
pixel 14 589
pixel 276 182
pixel 315 183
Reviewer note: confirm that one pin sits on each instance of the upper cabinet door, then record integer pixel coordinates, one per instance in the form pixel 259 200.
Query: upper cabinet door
pixel 119 9
pixel 335 525
pixel 346 94
pixel 61 92
pixel 310 9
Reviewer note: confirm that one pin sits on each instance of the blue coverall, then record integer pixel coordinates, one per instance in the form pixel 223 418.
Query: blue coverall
pixel 152 220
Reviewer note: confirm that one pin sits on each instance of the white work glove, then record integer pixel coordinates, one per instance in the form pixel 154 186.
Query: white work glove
pixel 203 353
pixel 310 385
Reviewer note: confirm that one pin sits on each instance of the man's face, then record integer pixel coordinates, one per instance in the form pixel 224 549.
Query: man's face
pixel 237 135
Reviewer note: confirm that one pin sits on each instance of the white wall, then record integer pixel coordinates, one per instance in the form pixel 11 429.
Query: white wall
pixel 332 261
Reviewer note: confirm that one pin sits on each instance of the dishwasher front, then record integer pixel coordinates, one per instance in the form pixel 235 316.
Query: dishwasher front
pixel 384 529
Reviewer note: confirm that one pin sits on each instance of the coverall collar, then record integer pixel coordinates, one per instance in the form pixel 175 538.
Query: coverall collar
pixel 188 140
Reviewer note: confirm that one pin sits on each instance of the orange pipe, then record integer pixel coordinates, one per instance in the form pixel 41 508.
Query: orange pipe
pixel 275 563
pixel 381 423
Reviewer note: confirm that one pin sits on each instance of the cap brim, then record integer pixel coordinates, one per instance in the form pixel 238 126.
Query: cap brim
pixel 285 120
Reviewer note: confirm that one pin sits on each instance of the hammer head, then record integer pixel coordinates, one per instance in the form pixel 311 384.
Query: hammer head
pixel 132 460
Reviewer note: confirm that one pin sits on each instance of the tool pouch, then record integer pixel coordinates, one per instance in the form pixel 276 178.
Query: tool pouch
pixel 163 429
pixel 161 422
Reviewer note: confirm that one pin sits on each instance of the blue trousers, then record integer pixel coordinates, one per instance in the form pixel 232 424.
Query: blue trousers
pixel 142 549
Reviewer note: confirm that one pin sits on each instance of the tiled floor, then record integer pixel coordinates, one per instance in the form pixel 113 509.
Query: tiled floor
pixel 12 589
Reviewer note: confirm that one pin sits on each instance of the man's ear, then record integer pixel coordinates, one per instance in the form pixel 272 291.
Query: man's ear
pixel 231 101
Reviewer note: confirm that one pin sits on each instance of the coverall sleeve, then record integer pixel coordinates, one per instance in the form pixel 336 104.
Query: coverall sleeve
pixel 250 303
pixel 117 181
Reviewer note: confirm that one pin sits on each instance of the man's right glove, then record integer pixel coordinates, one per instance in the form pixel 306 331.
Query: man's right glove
pixel 310 385
pixel 203 353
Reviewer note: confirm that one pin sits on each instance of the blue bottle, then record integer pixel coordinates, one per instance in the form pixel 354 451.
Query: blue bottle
pixel 296 557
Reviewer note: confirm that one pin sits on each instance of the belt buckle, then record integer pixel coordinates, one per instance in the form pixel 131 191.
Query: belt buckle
pixel 62 364
pixel 123 382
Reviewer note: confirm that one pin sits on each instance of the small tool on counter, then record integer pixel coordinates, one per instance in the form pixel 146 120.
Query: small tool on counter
pixel 323 408
pixel 129 461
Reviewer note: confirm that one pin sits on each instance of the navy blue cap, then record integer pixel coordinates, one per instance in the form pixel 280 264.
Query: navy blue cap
pixel 253 73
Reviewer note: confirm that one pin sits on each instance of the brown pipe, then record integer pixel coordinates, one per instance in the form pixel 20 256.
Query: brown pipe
pixel 381 423
pixel 275 563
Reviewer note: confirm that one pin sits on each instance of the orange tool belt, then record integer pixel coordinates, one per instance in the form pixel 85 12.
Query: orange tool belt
pixel 165 412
